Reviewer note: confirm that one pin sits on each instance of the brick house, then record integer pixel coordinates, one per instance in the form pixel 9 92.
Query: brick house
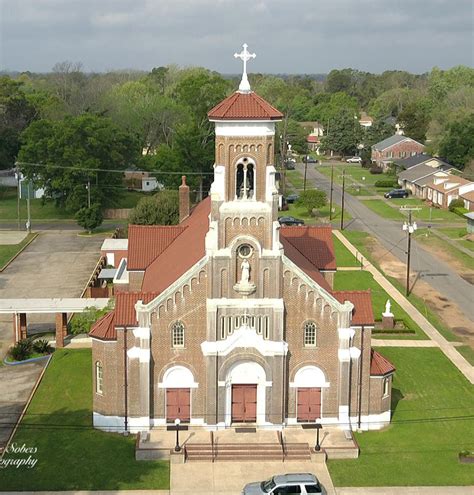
pixel 442 190
pixel 395 147
pixel 227 318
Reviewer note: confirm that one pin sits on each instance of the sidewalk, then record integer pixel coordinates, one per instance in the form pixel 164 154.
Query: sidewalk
pixel 446 347
pixel 407 490
pixel 403 343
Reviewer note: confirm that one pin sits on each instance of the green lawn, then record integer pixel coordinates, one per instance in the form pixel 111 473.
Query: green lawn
pixel 8 251
pixel 363 280
pixel 427 214
pixel 322 214
pixel 432 405
pixel 343 256
pixel 71 454
pixel 457 234
pixel 383 209
pixel 359 240
pixel 466 351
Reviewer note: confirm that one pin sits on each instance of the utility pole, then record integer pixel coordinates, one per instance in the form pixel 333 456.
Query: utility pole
pixel 410 227
pixel 305 169
pixel 343 195
pixel 28 222
pixel 330 192
pixel 88 187
pixel 18 194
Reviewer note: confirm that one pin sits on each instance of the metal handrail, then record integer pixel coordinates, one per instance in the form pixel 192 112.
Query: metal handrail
pixel 282 443
pixel 212 446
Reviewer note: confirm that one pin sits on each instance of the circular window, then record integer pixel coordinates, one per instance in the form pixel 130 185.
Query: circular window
pixel 245 251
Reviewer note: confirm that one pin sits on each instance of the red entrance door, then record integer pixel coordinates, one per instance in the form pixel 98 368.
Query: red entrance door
pixel 178 404
pixel 244 403
pixel 309 404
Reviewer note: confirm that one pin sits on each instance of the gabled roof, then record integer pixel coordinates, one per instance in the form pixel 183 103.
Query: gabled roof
pixel 453 181
pixel 412 161
pixel 390 141
pixel 181 254
pixel 147 242
pixel 380 366
pixel 314 243
pixel 362 314
pixel 420 171
pixel 104 328
pixel 244 106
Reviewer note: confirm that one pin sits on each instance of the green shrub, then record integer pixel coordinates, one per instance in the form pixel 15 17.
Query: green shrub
pixel 42 346
pixel 82 322
pixel 21 350
pixel 386 183
pixel 459 211
pixel 375 170
pixel 456 203
pixel 312 199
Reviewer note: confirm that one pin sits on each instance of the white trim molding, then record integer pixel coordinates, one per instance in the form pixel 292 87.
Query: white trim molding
pixel 178 377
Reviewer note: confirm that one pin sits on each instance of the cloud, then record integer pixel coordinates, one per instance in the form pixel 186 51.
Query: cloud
pixel 303 36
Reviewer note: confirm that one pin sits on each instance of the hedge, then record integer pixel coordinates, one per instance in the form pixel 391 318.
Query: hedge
pixel 386 183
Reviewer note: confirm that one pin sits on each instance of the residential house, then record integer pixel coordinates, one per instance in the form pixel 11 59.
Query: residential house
pixel 139 180
pixel 315 132
pixel 415 177
pixel 442 190
pixel 470 222
pixel 468 197
pixel 395 147
pixel 365 120
pixel 228 318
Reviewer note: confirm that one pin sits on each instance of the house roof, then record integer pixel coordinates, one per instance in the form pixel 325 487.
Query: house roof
pixel 412 161
pixel 362 314
pixel 181 254
pixel 379 365
pixel 313 139
pixel 419 171
pixel 147 242
pixel 104 328
pixel 390 141
pixel 314 243
pixel 244 106
pixel 455 181
pixel 469 215
pixel 114 245
pixel 467 195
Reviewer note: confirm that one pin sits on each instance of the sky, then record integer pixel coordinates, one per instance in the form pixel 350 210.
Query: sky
pixel 288 36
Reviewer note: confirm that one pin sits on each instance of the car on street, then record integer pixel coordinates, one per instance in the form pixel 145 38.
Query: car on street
pixel 309 159
pixel 290 165
pixel 354 159
pixel 290 221
pixel 396 193
pixel 302 483
pixel 292 198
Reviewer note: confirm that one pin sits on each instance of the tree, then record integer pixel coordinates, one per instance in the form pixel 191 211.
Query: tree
pixel 415 119
pixel 458 144
pixel 329 107
pixel 312 199
pixel 90 218
pixel 67 156
pixel 344 135
pixel 160 209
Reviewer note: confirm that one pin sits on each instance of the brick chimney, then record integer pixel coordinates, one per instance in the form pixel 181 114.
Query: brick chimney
pixel 183 200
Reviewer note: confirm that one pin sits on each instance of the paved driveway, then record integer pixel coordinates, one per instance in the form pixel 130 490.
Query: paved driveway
pixel 55 264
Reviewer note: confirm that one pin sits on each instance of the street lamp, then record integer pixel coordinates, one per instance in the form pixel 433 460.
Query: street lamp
pixel 318 427
pixel 409 227
pixel 177 448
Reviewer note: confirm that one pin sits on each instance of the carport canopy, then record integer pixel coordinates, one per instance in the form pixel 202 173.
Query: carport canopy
pixel 51 305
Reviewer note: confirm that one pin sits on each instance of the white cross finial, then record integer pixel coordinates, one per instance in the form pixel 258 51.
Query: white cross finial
pixel 245 56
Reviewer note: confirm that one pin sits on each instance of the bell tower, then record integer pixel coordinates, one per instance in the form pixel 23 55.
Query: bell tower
pixel 243 239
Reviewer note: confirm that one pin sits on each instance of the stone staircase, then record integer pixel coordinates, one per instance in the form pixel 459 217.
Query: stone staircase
pixel 247 452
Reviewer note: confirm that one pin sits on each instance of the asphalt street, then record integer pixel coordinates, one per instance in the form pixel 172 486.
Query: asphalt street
pixel 430 269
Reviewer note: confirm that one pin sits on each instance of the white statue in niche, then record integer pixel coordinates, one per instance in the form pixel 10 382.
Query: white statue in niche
pixel 388 309
pixel 245 277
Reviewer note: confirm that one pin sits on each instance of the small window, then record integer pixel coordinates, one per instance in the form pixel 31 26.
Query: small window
pixel 99 378
pixel 283 490
pixel 386 386
pixel 244 251
pixel 310 334
pixel 178 334
pixel 313 488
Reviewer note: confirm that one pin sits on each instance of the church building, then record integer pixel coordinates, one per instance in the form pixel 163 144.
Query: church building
pixel 228 318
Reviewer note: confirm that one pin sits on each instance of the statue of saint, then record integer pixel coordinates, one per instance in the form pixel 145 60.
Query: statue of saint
pixel 245 277
pixel 388 307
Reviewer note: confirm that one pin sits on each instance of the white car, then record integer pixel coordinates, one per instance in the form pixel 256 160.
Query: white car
pixel 354 159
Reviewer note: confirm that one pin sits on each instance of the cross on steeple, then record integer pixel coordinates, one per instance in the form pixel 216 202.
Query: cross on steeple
pixel 245 56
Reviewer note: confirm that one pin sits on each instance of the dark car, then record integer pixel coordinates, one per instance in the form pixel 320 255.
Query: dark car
pixel 289 165
pixel 304 483
pixel 290 221
pixel 292 198
pixel 311 160
pixel 397 193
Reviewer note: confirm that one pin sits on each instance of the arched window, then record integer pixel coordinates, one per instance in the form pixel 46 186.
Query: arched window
pixel 245 179
pixel 177 334
pixel 99 378
pixel 310 334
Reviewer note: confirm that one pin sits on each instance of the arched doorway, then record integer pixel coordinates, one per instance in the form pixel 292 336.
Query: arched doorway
pixel 245 393
pixel 178 382
pixel 309 382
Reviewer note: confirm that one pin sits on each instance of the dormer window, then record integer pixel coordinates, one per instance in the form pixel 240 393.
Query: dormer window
pixel 245 179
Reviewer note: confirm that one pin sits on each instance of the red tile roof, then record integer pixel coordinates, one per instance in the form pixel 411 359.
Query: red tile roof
pixel 467 195
pixel 304 263
pixel 313 139
pixel 147 242
pixel 314 243
pixel 125 314
pixel 244 106
pixel 104 328
pixel 380 366
pixel 362 314
pixel 186 250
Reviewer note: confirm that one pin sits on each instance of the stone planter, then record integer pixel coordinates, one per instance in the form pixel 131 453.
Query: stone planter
pixel 25 361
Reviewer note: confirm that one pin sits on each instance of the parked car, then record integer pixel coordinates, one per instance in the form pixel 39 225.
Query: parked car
pixel 289 165
pixel 289 221
pixel 292 198
pixel 354 159
pixel 396 193
pixel 309 159
pixel 303 483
